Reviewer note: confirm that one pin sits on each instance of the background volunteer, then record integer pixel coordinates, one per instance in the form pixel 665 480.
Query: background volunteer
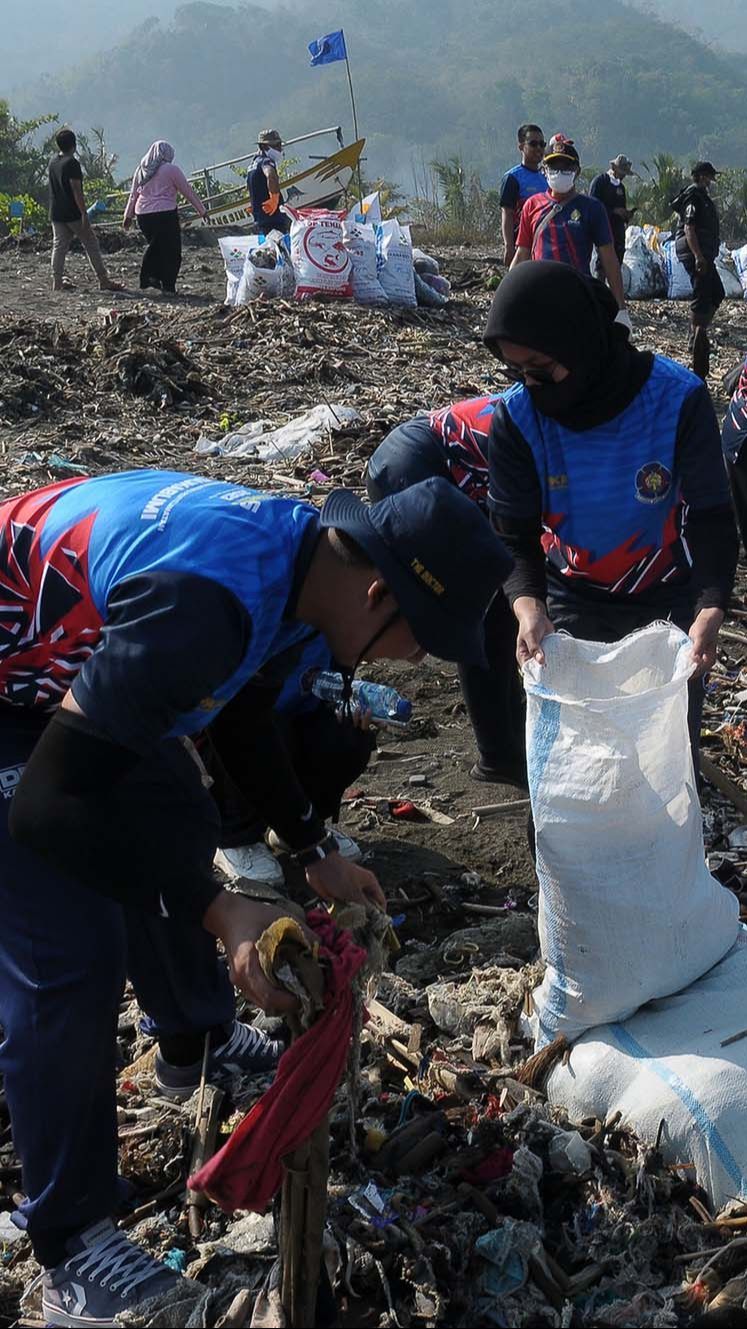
pixel 609 190
pixel 156 186
pixel 519 183
pixel 67 213
pixel 697 242
pixel 263 183
pixel 606 479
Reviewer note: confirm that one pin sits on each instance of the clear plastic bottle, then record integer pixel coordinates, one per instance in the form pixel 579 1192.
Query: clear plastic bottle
pixel 385 704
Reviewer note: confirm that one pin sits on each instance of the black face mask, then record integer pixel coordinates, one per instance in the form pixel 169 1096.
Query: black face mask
pixel 555 399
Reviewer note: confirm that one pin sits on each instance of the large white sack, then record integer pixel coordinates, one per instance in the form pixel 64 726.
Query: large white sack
pixel 667 1064
pixel 234 249
pixel 727 271
pixel 740 263
pixel 394 263
pixel 320 260
pixel 360 242
pixel 679 285
pixel 627 909
pixel 276 282
pixel 641 270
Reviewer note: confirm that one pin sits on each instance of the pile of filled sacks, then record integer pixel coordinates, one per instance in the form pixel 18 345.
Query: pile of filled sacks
pixel 356 255
pixel 651 269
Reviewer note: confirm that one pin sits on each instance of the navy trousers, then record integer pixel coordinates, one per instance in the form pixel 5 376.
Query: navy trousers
pixel 64 954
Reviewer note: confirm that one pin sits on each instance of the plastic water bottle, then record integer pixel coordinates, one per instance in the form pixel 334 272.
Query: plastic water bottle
pixel 385 704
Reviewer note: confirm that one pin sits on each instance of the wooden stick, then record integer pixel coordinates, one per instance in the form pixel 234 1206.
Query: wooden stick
pixel 209 1104
pixel 733 1038
pixel 715 776
pixel 496 809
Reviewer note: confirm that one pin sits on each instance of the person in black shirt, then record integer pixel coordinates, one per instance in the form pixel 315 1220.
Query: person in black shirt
pixel 67 213
pixel 609 189
pixel 697 244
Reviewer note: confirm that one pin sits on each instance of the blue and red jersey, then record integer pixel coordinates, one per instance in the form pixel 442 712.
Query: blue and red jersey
pixel 462 429
pixel 67 552
pixel 734 431
pixel 518 184
pixel 571 232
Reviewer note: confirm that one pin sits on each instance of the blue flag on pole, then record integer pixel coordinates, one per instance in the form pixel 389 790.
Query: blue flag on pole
pixel 325 50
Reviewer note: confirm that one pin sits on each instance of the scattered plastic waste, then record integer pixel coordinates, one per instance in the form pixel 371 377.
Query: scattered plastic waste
pixel 284 443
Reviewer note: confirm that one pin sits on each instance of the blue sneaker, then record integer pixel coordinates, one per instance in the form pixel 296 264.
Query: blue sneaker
pixel 247 1051
pixel 104 1275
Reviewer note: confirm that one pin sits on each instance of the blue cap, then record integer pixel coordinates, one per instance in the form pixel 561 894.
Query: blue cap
pixel 439 556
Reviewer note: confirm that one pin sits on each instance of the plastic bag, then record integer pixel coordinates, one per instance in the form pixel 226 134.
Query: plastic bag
pixel 234 249
pixel 266 272
pixel 679 285
pixel 643 269
pixel 628 910
pixel 258 438
pixel 740 263
pixel 394 263
pixel 360 242
pixel 669 1064
pixel 320 260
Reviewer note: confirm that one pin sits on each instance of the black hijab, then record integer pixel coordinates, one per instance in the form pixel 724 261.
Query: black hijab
pixel 552 308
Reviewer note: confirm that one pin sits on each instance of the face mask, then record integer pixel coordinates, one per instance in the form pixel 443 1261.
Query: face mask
pixel 275 155
pixel 561 182
pixel 555 398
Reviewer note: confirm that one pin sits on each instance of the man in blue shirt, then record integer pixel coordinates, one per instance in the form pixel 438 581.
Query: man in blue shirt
pixel 565 226
pixel 139 609
pixel 520 183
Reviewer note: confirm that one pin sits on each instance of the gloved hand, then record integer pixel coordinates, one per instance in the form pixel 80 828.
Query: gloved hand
pixel 623 318
pixel 272 205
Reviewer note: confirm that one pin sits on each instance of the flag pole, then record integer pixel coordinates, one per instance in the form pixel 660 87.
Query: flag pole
pixel 355 115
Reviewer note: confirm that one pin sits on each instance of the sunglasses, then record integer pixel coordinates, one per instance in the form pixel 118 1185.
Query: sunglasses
pixel 518 373
pixel 534 143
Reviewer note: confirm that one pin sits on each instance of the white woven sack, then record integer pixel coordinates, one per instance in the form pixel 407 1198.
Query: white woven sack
pixel 628 910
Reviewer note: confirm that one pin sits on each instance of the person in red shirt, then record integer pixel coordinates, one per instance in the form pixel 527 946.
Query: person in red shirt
pixel 566 226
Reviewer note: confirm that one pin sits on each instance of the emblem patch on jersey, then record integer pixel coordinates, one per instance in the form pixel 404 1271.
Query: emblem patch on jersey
pixel 652 482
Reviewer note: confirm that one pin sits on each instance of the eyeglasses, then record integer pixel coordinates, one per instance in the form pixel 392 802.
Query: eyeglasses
pixel 534 143
pixel 518 373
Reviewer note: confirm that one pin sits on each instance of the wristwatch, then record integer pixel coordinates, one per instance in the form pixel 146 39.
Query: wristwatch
pixel 306 858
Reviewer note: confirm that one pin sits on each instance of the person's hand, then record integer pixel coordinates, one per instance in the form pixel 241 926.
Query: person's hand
pixel 534 626
pixel 336 878
pixel 239 922
pixel 623 317
pixel 360 717
pixel 704 636
pixel 127 223
pixel 701 264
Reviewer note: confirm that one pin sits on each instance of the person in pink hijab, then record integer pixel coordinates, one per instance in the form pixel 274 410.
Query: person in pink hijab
pixel 153 200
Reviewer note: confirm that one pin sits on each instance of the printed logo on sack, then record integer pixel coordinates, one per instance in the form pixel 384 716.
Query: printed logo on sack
pixel 9 780
pixel 652 482
pixel 324 248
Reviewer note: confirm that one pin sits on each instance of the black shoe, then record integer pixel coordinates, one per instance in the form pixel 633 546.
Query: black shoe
pixel 484 774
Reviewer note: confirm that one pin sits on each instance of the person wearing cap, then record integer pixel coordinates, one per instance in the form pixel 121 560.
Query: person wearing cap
pixel 566 226
pixel 453 443
pixel 606 479
pixel 697 241
pixel 521 182
pixel 263 183
pixel 141 608
pixel 608 188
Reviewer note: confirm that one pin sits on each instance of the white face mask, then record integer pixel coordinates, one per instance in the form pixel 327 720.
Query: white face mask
pixel 275 155
pixel 561 182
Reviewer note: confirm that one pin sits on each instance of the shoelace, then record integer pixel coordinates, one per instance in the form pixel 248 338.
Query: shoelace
pixel 118 1260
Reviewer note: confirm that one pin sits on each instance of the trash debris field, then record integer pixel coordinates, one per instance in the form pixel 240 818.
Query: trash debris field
pixel 465 1198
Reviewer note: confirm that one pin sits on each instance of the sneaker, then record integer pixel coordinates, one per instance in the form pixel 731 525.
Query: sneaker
pixel 247 1052
pixel 104 1275
pixel 253 862
pixel 346 846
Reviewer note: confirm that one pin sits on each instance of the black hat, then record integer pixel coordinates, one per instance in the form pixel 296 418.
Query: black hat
pixel 439 557
pixel 561 148
pixel 704 168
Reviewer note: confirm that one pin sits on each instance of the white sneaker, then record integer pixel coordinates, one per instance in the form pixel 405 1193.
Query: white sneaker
pixel 347 847
pixel 253 862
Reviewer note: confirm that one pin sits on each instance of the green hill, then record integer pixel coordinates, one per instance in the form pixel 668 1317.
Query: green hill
pixel 432 77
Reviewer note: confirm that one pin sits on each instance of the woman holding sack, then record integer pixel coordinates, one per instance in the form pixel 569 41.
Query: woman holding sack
pixel 155 186
pixel 606 478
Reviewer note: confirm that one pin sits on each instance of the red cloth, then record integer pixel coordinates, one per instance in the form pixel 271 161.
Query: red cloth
pixel 246 1172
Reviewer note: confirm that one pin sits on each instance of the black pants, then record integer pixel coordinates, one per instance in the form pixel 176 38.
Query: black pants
pixel 494 696
pixel 592 621
pixel 708 291
pixel 737 472
pixel 328 755
pixel 163 256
